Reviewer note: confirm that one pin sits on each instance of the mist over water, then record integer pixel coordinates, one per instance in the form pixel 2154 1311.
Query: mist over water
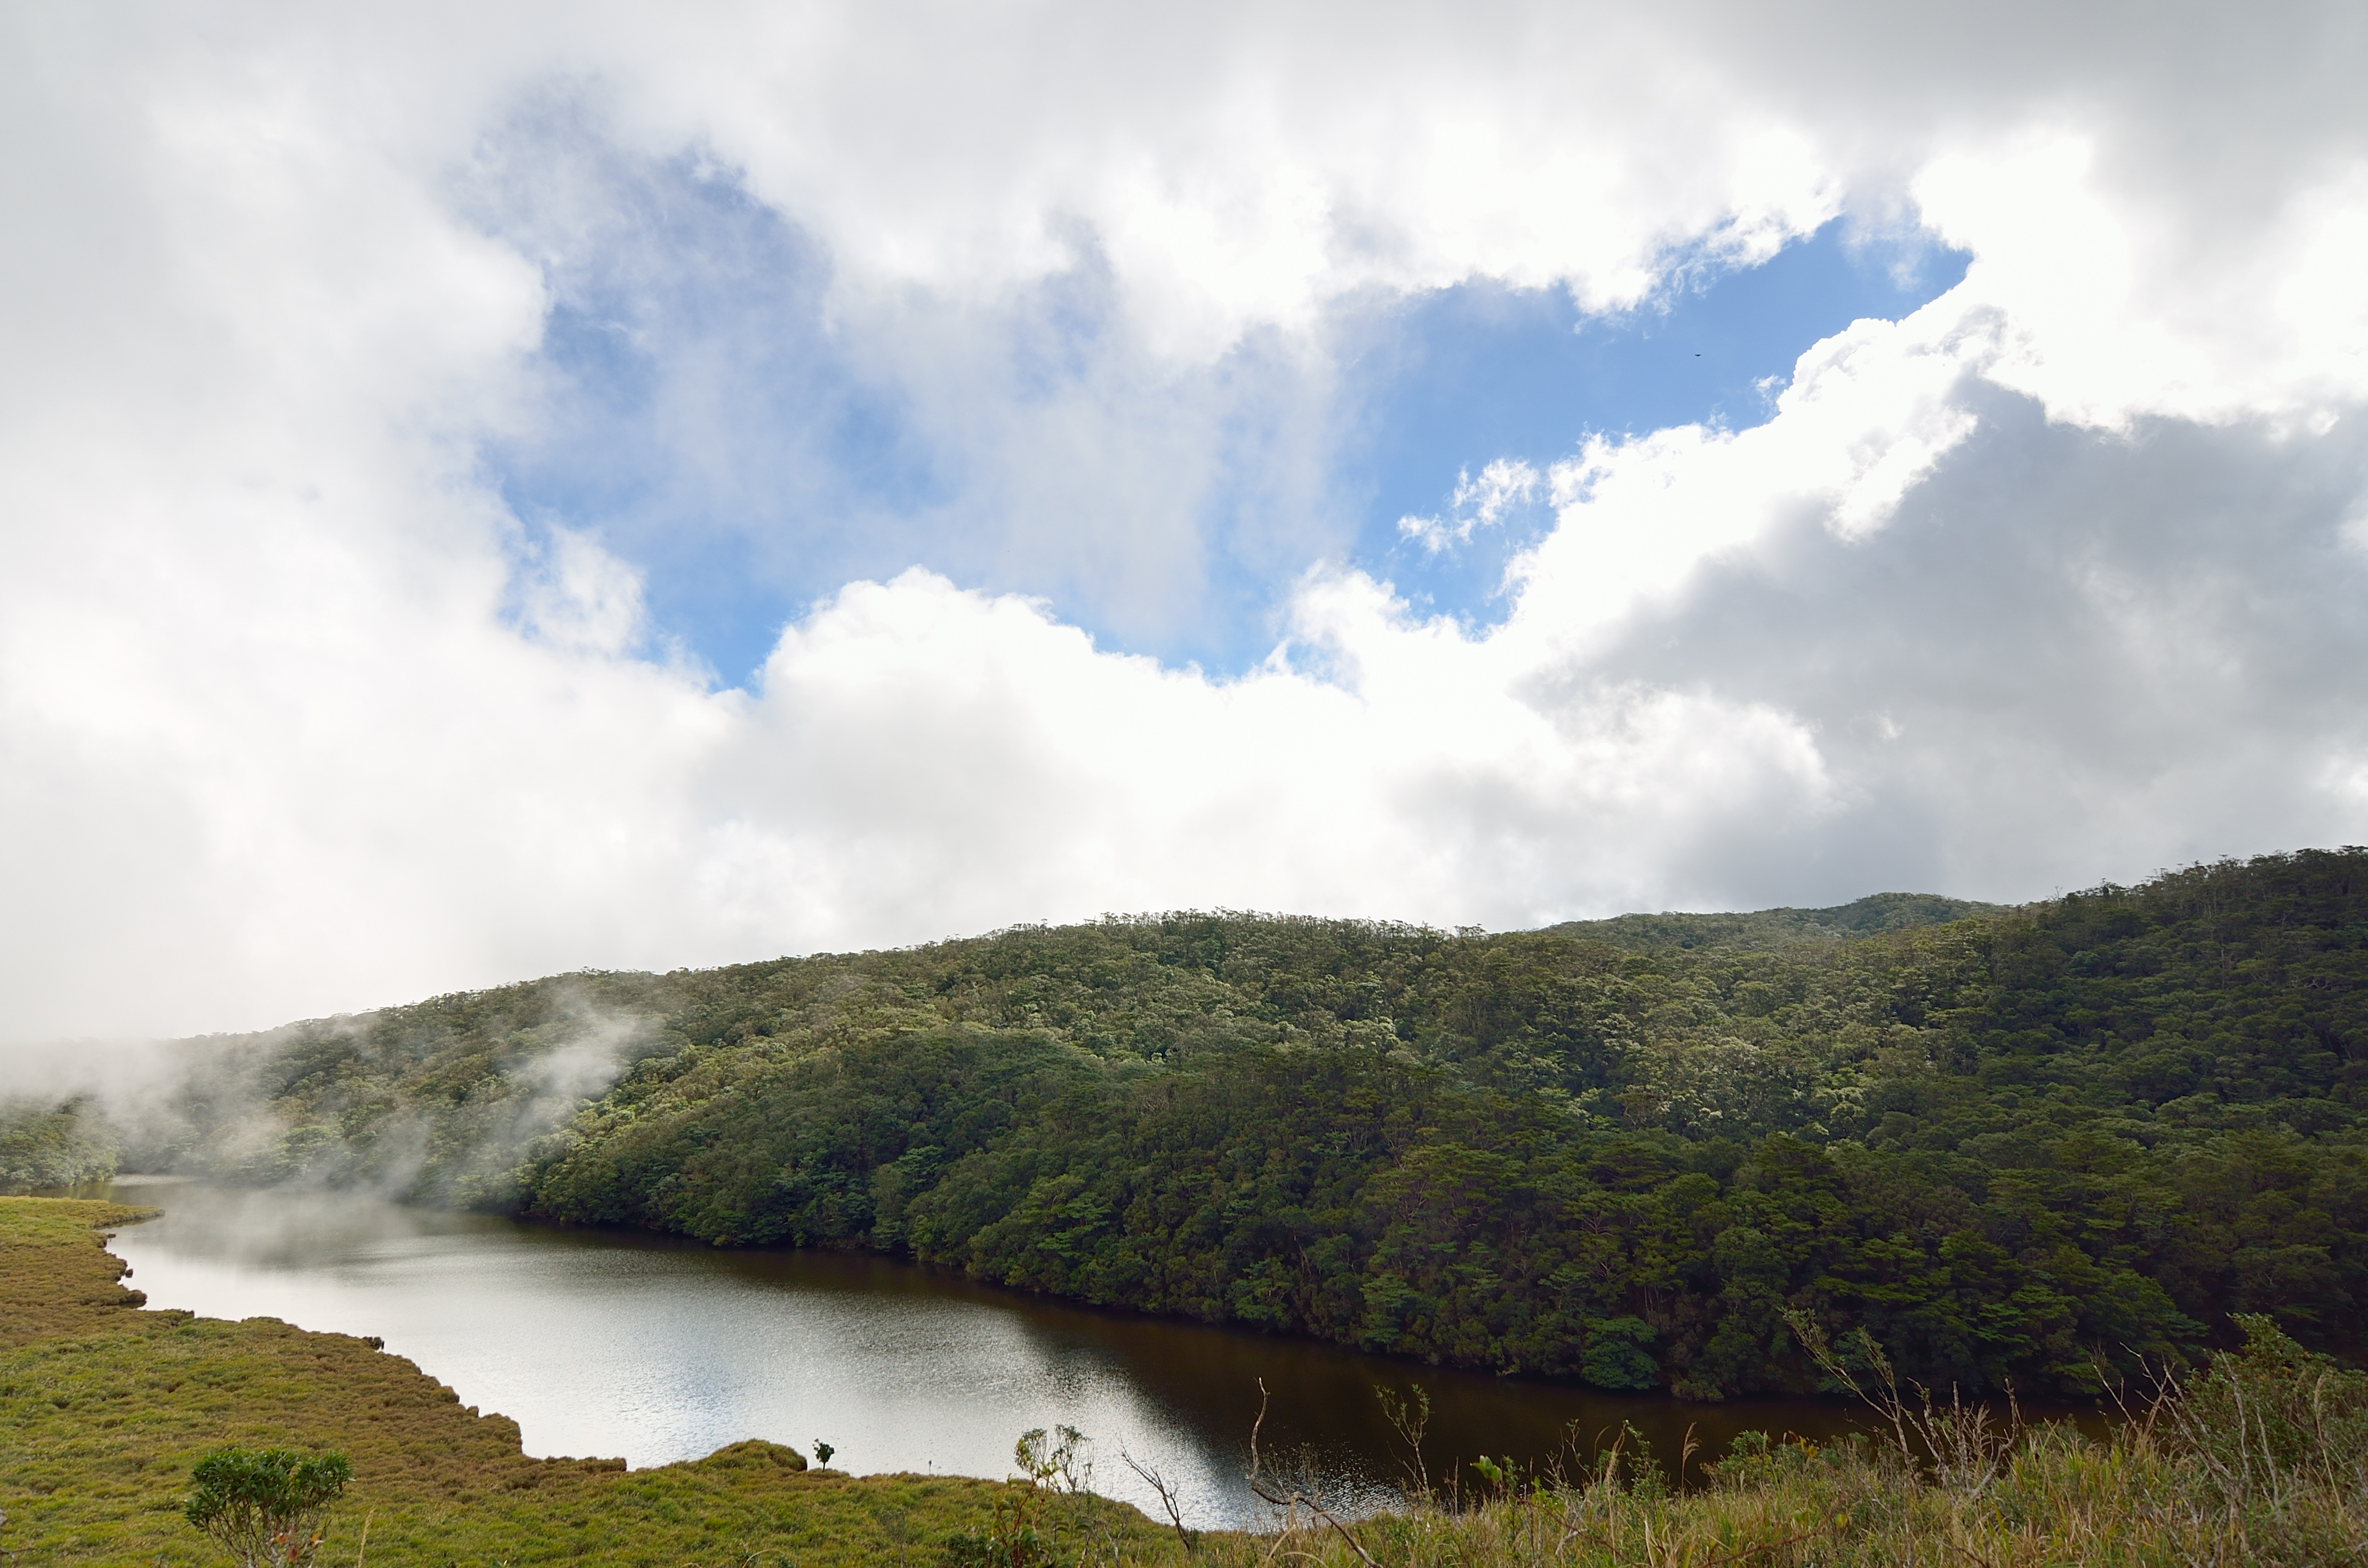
pixel 659 1350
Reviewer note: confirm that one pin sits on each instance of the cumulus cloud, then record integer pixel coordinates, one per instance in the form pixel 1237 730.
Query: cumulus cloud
pixel 1023 768
pixel 2052 580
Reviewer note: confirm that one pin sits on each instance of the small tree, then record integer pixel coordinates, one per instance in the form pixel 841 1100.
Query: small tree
pixel 265 1506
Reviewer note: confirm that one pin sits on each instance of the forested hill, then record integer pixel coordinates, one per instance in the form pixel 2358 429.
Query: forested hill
pixel 1775 928
pixel 2010 1144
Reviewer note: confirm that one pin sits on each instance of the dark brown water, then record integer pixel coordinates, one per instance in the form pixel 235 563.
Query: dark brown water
pixel 606 1344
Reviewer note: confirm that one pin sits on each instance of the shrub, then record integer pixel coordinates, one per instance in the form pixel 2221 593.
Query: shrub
pixel 265 1506
pixel 2271 1417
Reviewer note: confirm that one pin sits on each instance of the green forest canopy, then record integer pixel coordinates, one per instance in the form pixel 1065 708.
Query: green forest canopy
pixel 2017 1146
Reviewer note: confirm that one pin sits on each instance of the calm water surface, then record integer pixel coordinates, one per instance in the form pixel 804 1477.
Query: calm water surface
pixel 600 1343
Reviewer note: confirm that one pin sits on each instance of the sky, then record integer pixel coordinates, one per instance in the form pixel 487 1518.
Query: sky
pixel 492 493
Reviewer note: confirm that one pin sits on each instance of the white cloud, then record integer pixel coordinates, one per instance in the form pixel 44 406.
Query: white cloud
pixel 1237 165
pixel 292 721
pixel 2109 322
pixel 1503 485
pixel 1867 415
pixel 916 746
pixel 579 597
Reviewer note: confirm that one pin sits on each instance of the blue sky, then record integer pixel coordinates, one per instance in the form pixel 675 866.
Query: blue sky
pixel 1477 372
pixel 704 421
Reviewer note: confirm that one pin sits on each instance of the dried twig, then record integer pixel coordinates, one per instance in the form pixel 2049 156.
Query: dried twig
pixel 1166 1490
pixel 1291 1499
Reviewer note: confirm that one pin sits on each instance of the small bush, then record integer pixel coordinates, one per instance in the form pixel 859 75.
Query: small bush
pixel 2272 1416
pixel 265 1506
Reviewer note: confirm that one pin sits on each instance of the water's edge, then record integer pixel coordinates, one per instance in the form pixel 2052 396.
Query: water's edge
pixel 663 1350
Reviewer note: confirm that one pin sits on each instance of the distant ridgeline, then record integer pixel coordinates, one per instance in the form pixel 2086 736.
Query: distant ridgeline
pixel 2015 1144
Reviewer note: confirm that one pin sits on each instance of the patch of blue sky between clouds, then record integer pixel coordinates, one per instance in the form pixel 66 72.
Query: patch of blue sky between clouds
pixel 697 416
pixel 1458 402
pixel 707 422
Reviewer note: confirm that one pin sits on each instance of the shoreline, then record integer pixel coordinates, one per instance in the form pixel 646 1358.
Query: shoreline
pixel 106 1406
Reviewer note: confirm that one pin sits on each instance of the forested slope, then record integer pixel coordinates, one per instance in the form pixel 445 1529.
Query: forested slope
pixel 2008 1144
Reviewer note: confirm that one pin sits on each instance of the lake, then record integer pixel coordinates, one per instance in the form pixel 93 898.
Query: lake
pixel 619 1344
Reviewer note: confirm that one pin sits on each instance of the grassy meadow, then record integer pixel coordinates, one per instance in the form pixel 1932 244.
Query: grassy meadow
pixel 2263 1459
pixel 104 1409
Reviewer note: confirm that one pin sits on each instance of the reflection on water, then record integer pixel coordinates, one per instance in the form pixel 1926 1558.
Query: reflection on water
pixel 600 1343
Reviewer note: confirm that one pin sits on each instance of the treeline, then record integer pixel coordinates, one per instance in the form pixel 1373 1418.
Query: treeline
pixel 50 1142
pixel 2015 1145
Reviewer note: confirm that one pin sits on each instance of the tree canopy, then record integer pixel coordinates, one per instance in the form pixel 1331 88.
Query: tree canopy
pixel 2009 1143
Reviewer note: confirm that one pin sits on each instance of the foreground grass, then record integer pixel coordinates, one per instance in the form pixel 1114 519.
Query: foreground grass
pixel 104 1409
pixel 2262 1461
pixel 2060 1499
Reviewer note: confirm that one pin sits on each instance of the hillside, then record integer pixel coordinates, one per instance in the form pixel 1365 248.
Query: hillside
pixel 1775 928
pixel 2015 1144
